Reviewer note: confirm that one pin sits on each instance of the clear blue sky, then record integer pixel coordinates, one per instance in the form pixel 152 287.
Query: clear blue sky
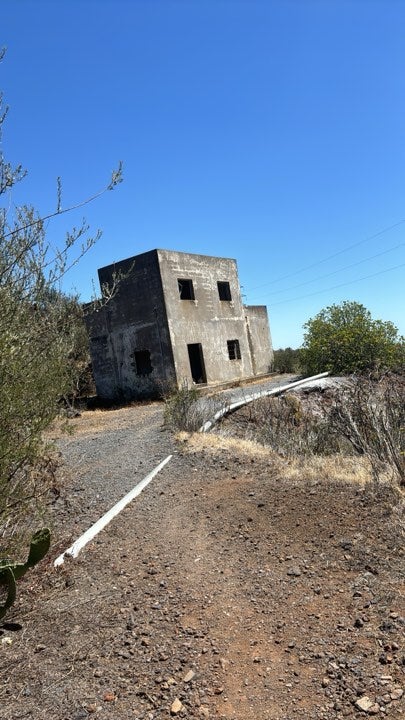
pixel 269 131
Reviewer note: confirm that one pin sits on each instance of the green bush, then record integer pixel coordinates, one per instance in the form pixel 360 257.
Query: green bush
pixel 344 339
pixel 287 360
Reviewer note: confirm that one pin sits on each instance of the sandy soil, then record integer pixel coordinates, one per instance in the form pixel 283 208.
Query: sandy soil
pixel 228 589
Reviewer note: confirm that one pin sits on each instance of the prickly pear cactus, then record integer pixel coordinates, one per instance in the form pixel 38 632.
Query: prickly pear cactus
pixel 10 572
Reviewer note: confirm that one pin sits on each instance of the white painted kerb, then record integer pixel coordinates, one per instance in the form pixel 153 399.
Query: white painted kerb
pixel 74 549
pixel 255 396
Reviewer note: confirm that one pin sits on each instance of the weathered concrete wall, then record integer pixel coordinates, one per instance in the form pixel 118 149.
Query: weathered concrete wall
pixel 133 321
pixel 151 333
pixel 103 358
pixel 206 319
pixel 258 330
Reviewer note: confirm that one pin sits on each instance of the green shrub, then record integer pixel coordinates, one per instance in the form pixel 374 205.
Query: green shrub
pixel 287 360
pixel 344 339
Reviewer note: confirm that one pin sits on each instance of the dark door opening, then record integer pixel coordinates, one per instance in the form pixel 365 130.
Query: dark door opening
pixel 197 366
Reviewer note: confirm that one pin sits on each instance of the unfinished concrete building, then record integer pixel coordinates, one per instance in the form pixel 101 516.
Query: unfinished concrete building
pixel 176 318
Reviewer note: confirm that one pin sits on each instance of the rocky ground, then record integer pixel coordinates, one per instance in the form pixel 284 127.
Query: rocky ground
pixel 228 589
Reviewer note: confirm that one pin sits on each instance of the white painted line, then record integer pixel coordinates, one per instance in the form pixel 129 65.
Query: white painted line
pixel 255 396
pixel 74 549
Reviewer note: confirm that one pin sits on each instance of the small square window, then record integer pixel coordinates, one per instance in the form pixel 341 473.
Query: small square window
pixel 186 290
pixel 143 365
pixel 224 291
pixel 233 349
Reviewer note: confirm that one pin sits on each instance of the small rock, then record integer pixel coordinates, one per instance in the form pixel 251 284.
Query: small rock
pixel 176 707
pixel 364 703
pixel 396 693
pixel 294 571
pixel 93 708
pixel 109 696
pixel 189 676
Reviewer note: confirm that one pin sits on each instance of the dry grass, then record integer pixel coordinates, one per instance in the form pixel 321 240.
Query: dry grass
pixel 214 444
pixel 336 468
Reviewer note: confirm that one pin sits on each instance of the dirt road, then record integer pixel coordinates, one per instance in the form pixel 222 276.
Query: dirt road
pixel 225 590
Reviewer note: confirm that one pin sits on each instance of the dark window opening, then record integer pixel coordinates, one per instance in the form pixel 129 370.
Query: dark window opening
pixel 224 291
pixel 197 366
pixel 143 365
pixel 186 289
pixel 233 349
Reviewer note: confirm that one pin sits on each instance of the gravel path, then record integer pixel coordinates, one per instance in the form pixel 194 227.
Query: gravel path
pixel 226 590
pixel 101 467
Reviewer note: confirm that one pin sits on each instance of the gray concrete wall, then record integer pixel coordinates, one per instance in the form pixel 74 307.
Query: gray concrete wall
pixel 134 320
pixel 207 319
pixel 148 315
pixel 258 330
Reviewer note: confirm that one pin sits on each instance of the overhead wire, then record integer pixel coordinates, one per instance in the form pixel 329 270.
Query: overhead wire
pixel 336 272
pixel 336 287
pixel 329 257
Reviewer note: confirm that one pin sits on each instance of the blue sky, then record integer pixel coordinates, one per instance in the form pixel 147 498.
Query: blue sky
pixel 269 131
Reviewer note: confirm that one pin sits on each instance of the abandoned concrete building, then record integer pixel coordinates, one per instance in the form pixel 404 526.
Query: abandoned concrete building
pixel 176 318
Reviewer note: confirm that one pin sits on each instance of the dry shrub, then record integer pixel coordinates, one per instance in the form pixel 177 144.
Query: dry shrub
pixel 363 417
pixel 370 415
pixel 287 426
pixel 24 507
pixel 187 410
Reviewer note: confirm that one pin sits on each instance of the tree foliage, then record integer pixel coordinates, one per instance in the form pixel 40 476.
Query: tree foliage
pixel 287 360
pixel 41 338
pixel 345 339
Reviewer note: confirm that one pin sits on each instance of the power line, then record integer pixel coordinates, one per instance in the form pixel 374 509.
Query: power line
pixel 335 287
pixel 336 272
pixel 330 257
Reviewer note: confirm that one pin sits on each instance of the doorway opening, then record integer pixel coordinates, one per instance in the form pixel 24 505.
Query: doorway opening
pixel 195 355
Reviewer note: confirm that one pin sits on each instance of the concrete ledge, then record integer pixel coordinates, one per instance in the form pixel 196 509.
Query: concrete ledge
pixel 227 409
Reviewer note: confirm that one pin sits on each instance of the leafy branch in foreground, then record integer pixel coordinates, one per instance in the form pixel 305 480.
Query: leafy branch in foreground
pixel 40 329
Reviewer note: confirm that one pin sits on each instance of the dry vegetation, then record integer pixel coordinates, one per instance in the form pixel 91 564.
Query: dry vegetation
pixel 351 429
pixel 335 467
